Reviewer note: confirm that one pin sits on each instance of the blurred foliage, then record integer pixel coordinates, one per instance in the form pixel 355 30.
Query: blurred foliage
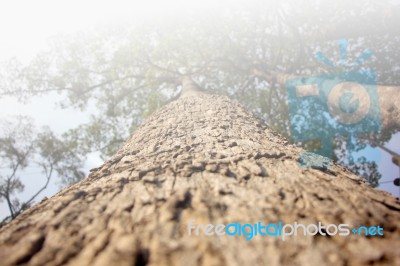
pixel 22 146
pixel 125 73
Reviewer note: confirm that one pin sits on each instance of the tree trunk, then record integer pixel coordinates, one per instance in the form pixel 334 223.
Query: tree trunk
pixel 204 158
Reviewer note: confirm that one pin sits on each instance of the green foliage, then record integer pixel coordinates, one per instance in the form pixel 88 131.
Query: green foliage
pixel 24 147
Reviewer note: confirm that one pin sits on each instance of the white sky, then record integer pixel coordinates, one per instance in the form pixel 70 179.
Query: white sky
pixel 26 26
pixel 27 21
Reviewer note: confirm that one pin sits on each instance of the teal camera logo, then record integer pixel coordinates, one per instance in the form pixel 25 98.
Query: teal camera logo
pixel 327 106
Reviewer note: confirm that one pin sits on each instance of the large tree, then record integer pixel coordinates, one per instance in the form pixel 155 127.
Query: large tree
pixel 204 158
pixel 125 73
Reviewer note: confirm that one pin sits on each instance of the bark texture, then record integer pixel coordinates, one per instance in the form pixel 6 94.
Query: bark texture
pixel 204 158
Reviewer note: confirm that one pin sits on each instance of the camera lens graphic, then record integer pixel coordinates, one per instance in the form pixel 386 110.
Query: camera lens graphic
pixel 348 102
pixel 343 103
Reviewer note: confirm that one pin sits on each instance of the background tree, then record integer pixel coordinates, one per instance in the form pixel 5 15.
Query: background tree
pixel 21 145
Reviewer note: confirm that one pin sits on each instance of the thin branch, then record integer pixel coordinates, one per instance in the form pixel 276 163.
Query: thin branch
pixel 160 67
pixel 48 177
pixel 10 207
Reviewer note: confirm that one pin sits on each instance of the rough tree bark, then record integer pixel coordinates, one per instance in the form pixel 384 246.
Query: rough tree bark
pixel 205 158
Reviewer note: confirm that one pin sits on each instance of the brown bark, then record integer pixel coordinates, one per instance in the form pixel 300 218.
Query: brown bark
pixel 204 158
